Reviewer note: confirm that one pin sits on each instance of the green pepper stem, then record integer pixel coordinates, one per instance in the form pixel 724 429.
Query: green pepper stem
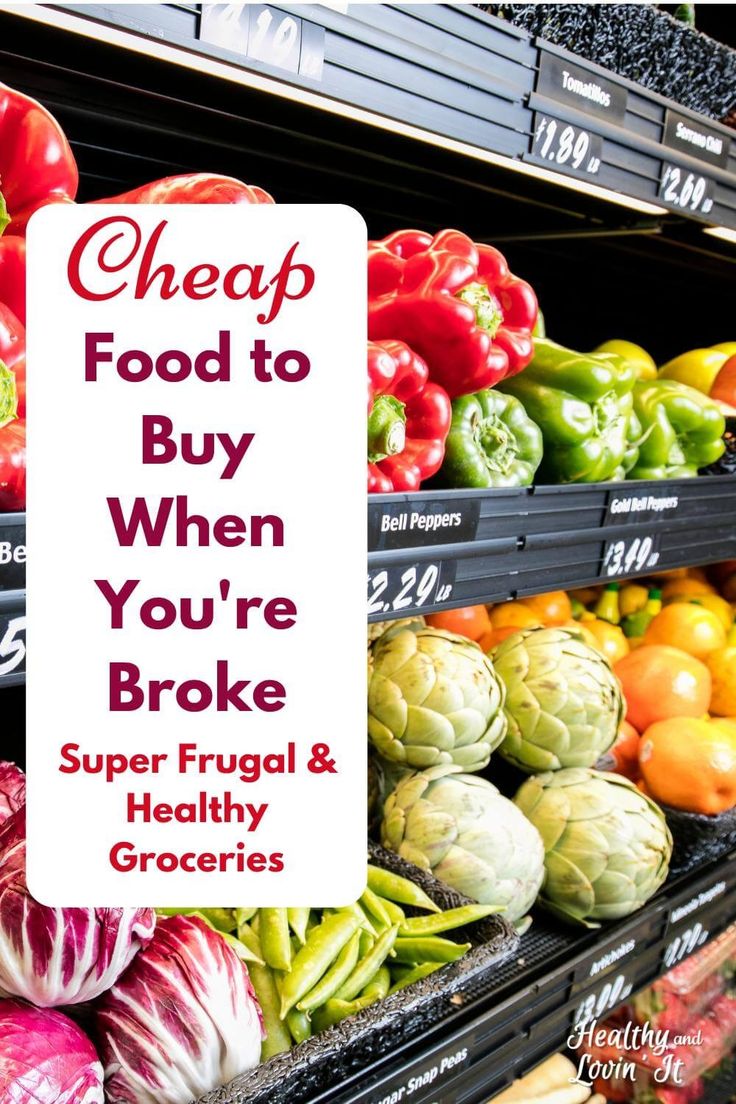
pixel 386 428
pixel 488 313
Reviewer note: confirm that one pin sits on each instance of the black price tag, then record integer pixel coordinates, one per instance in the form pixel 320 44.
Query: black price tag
pixel 401 524
pixel 693 137
pixel 626 555
pixel 12 645
pixel 686 190
pixel 407 587
pixel 265 34
pixel 602 1001
pixel 565 146
pixel 581 88
pixel 425 1081
pixel 684 944
pixel 626 506
pixel 12 554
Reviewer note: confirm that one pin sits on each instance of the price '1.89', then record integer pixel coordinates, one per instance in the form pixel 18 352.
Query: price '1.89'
pixel 398 589
pixel 566 145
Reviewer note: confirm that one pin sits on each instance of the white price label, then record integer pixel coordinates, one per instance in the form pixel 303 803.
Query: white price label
pixel 688 191
pixel 399 589
pixel 684 944
pixel 603 1001
pixel 13 645
pixel 566 145
pixel 630 554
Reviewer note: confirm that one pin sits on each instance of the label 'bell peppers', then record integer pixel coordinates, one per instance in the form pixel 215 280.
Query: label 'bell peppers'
pixel 37 165
pixel 13 358
pixel 492 443
pixel 455 303
pixel 193 188
pixel 682 430
pixel 13 274
pixel 583 404
pixel 408 419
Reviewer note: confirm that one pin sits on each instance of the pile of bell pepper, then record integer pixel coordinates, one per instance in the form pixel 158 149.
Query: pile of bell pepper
pixel 37 167
pixel 493 403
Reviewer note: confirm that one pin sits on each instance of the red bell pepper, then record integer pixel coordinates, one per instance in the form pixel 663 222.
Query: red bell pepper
pixel 12 357
pixel 455 303
pixel 13 466
pixel 37 165
pixel 193 188
pixel 408 419
pixel 13 274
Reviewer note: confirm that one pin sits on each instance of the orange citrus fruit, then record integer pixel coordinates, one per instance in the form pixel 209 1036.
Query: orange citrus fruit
pixel 713 602
pixel 470 621
pixel 690 627
pixel 660 682
pixel 517 614
pixel 690 764
pixel 686 588
pixel 493 637
pixel 553 608
pixel 722 666
pixel 623 757
pixel 607 639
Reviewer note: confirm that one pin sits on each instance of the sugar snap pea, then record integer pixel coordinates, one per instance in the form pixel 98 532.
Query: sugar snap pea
pixel 360 915
pixel 367 939
pixel 323 945
pixel 395 912
pixel 445 921
pixel 243 915
pixel 373 904
pixel 379 984
pixel 298 920
pixel 273 933
pixel 428 948
pixel 368 966
pixel 335 1010
pixel 422 970
pixel 338 973
pixel 299 1025
pixel 264 982
pixel 395 888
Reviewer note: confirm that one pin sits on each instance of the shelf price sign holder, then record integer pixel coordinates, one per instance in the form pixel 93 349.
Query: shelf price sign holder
pixel 192 718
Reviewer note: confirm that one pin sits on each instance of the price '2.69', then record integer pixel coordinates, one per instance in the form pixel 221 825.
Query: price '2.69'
pixel 396 589
pixel 686 190
pixel 566 145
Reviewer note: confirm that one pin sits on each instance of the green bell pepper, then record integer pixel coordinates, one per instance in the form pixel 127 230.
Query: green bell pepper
pixel 583 404
pixel 492 443
pixel 682 430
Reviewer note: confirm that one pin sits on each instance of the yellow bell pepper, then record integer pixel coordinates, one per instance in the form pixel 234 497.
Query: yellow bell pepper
pixel 639 359
pixel 727 347
pixel 697 369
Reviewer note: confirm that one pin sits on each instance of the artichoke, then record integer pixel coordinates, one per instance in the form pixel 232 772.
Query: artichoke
pixel 461 828
pixel 607 846
pixel 378 628
pixel 433 698
pixel 563 702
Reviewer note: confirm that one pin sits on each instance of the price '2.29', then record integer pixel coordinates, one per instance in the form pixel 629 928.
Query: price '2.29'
pixel 394 589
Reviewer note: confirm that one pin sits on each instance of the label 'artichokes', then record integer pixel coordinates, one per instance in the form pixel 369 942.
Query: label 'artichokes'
pixel 607 846
pixel 433 697
pixel 461 828
pixel 563 702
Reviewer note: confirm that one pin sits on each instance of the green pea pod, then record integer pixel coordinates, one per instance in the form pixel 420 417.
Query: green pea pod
pixel 221 919
pixel 337 974
pixel 379 984
pixel 367 940
pixel 422 970
pixel 336 1010
pixel 299 1025
pixel 429 948
pixel 393 887
pixel 243 915
pixel 241 949
pixel 274 936
pixel 263 980
pixel 373 904
pixel 298 920
pixel 367 967
pixel 364 921
pixel 323 945
pixel 446 921
pixel 395 913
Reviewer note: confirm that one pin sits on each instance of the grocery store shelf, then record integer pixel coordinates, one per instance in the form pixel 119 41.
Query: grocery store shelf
pixel 501 1028
pixel 439 549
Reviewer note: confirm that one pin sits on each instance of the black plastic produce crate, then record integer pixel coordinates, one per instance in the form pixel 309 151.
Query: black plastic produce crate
pixel 439 549
pixel 301 1074
pixel 640 43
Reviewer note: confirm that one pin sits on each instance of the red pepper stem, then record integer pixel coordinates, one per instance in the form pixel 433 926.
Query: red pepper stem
pixel 386 428
pixel 4 216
